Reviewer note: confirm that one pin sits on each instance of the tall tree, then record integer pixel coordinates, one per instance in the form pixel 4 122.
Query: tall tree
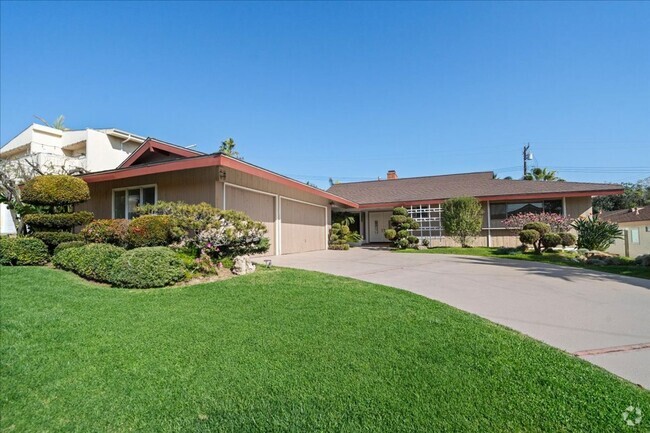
pixel 542 174
pixel 228 148
pixel 634 195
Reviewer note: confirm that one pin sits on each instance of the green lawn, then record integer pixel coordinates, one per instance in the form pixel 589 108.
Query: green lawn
pixel 281 350
pixel 556 258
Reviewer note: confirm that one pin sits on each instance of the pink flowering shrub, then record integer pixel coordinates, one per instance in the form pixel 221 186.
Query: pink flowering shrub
pixel 558 223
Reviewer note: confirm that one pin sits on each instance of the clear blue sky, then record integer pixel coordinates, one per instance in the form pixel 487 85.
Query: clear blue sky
pixel 347 90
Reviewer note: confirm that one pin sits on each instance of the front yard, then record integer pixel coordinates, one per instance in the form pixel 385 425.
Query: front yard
pixel 281 350
pixel 556 258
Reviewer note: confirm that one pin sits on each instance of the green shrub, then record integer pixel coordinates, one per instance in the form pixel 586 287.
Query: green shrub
pixel 541 228
pixel 425 242
pixel 65 245
pixel 106 231
pixel 400 211
pixel 529 237
pixel 23 251
pixel 399 234
pixel 151 231
pixel 188 217
pixel 340 247
pixel 403 243
pixel 57 221
pixel 643 260
pixel 596 234
pixel 147 267
pixel 551 240
pixel 91 261
pixel 390 234
pixel 227 262
pixel 55 190
pixel 341 236
pixel 412 240
pixel 52 239
pixel 462 219
pixel 398 219
pixel 232 234
pixel 568 239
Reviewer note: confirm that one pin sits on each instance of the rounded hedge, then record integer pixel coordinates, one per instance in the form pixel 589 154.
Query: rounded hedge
pixel 55 190
pixel 551 240
pixel 65 245
pixel 398 219
pixel 400 211
pixel 568 239
pixel 91 261
pixel 151 231
pixel 529 236
pixel 58 221
pixel 23 251
pixel 108 231
pixel 52 239
pixel 541 228
pixel 147 267
pixel 390 234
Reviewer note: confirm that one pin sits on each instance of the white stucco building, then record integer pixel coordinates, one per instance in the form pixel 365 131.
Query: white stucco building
pixel 89 149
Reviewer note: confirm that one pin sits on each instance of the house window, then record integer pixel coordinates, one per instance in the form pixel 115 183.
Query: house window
pixel 634 236
pixel 500 211
pixel 125 200
pixel 429 219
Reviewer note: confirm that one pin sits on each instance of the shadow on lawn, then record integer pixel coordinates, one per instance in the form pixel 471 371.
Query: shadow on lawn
pixel 563 272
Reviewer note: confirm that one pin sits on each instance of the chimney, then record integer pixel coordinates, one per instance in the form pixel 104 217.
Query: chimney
pixel 392 174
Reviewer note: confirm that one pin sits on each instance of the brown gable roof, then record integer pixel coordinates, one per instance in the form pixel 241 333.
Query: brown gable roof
pixel 627 215
pixel 154 150
pixel 432 189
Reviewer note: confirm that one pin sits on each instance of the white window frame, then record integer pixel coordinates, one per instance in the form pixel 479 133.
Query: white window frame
pixel 433 219
pixel 126 204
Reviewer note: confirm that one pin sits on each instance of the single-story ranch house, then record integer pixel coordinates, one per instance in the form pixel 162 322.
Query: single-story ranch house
pixel 298 216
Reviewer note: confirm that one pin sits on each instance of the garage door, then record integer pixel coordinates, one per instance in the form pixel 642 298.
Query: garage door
pixel 258 206
pixel 303 227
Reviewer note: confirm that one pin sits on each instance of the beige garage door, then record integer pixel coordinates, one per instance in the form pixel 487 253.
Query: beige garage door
pixel 303 227
pixel 260 207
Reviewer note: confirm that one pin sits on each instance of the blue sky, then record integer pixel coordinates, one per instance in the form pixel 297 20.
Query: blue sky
pixel 347 90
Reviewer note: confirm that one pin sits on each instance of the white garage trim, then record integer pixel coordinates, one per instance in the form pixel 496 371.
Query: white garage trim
pixel 310 204
pixel 277 206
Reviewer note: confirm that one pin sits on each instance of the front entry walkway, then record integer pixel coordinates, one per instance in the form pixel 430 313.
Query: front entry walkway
pixel 603 318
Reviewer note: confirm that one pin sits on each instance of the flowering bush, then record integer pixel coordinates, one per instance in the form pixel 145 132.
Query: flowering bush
pixel 106 231
pixel 232 233
pixel 557 222
pixel 152 231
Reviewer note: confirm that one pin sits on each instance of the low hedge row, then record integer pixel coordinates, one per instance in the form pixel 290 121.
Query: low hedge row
pixel 107 231
pixel 141 268
pixel 23 251
pixel 58 221
pixel 65 245
pixel 52 239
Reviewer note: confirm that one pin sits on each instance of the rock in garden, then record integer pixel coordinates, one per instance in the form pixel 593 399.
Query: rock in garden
pixel 243 265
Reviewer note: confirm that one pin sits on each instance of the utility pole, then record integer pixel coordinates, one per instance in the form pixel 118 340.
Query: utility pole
pixel 526 147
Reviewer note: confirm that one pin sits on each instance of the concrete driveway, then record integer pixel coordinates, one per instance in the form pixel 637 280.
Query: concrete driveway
pixel 603 318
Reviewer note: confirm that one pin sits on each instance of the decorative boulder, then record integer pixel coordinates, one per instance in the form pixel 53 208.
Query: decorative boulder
pixel 242 265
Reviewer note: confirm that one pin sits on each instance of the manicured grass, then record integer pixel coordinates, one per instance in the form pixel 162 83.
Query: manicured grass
pixel 281 350
pixel 556 258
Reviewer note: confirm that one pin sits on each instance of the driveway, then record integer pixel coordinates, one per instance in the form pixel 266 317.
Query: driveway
pixel 603 318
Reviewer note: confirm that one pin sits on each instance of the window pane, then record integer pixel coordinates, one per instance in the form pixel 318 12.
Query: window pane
pixel 149 195
pixel 133 200
pixel 553 206
pixel 119 204
pixel 634 236
pixel 517 208
pixel 498 211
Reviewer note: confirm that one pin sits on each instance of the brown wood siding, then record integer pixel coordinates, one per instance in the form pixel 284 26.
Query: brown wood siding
pixel 578 206
pixel 189 186
pixel 259 207
pixel 303 227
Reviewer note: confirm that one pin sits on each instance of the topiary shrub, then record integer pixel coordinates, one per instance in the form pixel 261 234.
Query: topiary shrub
pixel 106 231
pixel 541 229
pixel 41 221
pixel 568 239
pixel 399 234
pixel 65 245
pixel 529 237
pixel 55 190
pixel 462 218
pixel 53 239
pixel 147 267
pixel 341 236
pixel 23 251
pixel 551 240
pixel 151 231
pixel 91 261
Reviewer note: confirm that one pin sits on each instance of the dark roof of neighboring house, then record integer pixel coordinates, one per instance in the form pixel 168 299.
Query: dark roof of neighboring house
pixel 417 190
pixel 627 215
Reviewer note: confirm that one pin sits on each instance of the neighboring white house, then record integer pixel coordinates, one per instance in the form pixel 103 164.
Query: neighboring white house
pixel 46 147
